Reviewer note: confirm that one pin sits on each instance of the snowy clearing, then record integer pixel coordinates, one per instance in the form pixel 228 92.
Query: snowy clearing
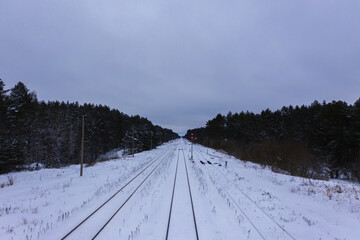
pixel 162 194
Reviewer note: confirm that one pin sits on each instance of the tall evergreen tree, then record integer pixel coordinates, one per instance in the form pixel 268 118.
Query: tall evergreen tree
pixel 5 141
pixel 22 104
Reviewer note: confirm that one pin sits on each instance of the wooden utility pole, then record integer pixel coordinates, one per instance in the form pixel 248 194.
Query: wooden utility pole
pixel 133 143
pixel 151 141
pixel 192 146
pixel 82 146
pixel 208 145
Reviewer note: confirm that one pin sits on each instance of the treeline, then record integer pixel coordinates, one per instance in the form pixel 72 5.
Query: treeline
pixel 33 131
pixel 320 140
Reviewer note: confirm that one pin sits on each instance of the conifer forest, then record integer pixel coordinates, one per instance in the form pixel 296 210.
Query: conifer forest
pixel 49 133
pixel 320 141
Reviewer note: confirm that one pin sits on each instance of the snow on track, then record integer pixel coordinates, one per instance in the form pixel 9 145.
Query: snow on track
pixel 105 213
pixel 242 201
pixel 182 221
pixel 263 224
pixel 302 208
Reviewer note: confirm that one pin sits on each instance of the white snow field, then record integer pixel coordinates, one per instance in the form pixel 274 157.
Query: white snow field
pixel 162 194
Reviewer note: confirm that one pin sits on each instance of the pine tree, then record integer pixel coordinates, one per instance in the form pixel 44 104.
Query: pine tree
pixel 22 107
pixel 355 129
pixel 5 153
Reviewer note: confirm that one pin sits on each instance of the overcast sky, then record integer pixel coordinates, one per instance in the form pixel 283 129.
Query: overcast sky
pixel 179 63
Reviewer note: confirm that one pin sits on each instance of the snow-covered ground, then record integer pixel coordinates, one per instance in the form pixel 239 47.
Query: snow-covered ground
pixel 240 201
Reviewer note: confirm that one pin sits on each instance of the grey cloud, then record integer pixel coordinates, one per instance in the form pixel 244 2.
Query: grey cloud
pixel 179 63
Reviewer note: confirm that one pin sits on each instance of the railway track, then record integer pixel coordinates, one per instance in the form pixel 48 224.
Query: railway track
pixel 269 228
pixel 108 210
pixel 182 220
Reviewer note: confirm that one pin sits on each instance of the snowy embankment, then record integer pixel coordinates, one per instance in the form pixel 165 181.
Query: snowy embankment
pixel 240 201
pixel 40 201
pixel 306 209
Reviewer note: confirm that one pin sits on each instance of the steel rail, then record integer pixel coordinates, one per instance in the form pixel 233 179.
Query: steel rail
pixel 172 197
pixel 251 200
pixel 237 205
pixel 102 205
pixel 129 197
pixel 192 204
